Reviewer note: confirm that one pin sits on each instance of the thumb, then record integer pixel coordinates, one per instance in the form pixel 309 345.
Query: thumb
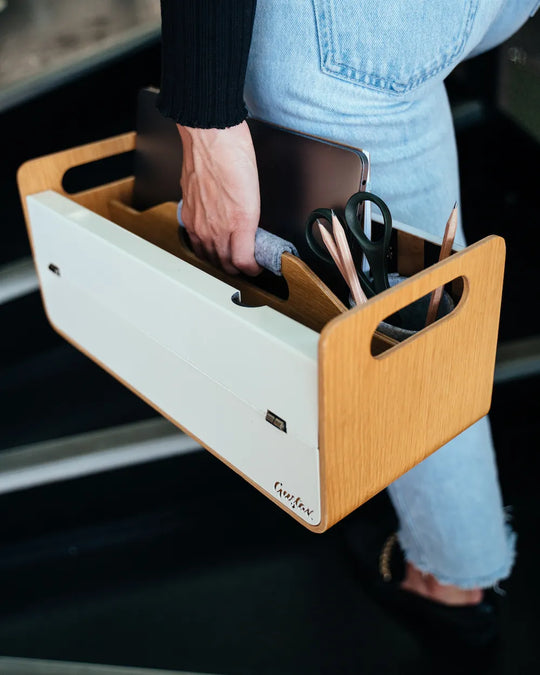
pixel 242 252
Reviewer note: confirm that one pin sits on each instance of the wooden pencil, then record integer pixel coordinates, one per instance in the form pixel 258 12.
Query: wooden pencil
pixel 446 249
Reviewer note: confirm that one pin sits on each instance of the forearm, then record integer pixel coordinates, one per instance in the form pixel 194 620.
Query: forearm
pixel 205 48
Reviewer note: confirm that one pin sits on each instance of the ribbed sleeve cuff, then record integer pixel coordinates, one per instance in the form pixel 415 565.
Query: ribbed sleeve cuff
pixel 205 49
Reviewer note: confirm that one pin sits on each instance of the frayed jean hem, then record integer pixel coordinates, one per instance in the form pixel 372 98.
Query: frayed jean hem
pixel 413 556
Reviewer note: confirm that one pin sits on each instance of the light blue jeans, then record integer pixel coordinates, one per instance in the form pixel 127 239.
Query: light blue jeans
pixel 370 74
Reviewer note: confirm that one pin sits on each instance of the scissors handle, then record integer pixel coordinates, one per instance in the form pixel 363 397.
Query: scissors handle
pixel 375 251
pixel 322 252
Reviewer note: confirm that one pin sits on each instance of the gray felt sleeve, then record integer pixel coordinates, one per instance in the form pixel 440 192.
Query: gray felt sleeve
pixel 268 247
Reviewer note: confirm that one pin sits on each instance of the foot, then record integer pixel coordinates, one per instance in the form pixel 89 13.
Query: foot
pixel 428 587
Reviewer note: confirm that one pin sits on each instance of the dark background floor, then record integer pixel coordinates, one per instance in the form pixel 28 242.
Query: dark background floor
pixel 180 564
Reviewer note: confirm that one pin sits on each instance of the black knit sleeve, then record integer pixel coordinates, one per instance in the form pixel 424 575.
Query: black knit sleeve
pixel 205 48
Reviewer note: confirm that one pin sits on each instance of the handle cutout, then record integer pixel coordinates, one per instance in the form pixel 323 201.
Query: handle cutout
pixel 239 299
pixel 413 316
pixel 99 172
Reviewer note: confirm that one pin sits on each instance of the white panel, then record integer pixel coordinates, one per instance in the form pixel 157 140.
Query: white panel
pixel 265 358
pixel 236 431
pixel 116 296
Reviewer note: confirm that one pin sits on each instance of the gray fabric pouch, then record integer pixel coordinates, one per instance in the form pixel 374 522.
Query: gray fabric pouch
pixel 268 247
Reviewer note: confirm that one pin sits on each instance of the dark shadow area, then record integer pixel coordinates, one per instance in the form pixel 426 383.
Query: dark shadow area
pixel 181 564
pixel 100 172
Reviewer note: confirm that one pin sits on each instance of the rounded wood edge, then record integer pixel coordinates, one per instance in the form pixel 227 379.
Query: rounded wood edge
pixel 291 266
pixel 165 209
pixel 495 242
pixel 46 172
pixel 495 248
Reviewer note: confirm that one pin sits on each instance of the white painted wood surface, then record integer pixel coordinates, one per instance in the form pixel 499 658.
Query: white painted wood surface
pixel 172 333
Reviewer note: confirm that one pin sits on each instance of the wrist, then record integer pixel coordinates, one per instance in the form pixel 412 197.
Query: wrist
pixel 189 134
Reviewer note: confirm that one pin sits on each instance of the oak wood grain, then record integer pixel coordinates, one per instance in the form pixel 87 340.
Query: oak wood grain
pixel 47 173
pixel 379 416
pixel 410 257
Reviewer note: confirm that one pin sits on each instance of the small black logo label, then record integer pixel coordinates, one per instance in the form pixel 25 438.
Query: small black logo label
pixel 293 502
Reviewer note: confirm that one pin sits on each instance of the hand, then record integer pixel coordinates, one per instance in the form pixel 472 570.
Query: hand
pixel 220 190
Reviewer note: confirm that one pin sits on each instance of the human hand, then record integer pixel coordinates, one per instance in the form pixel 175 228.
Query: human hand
pixel 220 191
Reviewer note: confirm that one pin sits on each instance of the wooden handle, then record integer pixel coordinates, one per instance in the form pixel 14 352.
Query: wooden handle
pixel 47 173
pixel 406 292
pixel 310 301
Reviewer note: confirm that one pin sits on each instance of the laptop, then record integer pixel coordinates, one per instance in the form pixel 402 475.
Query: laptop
pixel 297 173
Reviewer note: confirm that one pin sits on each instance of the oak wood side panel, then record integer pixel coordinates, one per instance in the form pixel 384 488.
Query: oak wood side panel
pixel 379 416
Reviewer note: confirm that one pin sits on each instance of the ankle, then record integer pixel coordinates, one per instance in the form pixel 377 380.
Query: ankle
pixel 427 586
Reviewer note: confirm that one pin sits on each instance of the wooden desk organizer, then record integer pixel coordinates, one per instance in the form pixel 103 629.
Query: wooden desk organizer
pixel 313 419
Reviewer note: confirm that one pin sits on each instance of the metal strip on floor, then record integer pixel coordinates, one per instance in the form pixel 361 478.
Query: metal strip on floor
pixel 518 359
pixel 17 279
pixel 62 458
pixel 19 666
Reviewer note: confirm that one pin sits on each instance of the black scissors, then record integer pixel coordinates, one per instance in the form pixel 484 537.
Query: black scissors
pixel 375 251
